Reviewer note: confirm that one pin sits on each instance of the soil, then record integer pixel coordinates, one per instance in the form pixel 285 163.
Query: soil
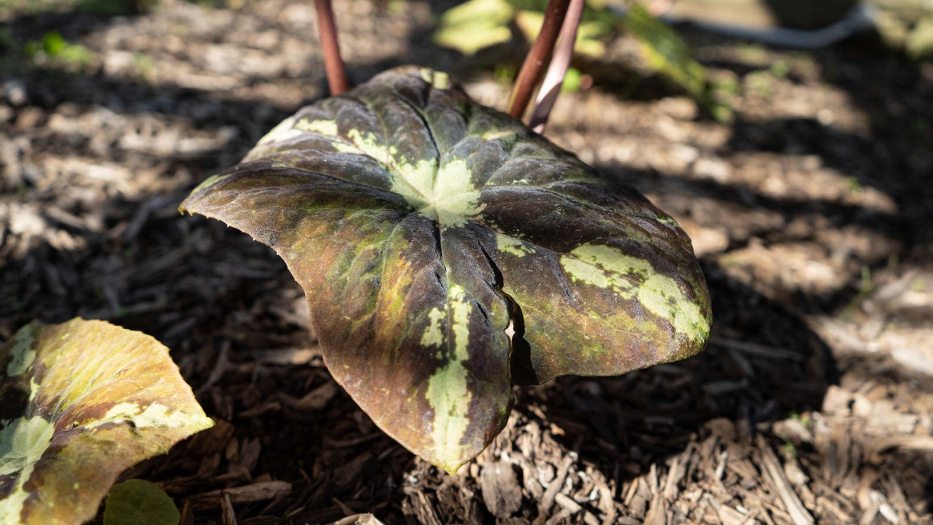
pixel 810 211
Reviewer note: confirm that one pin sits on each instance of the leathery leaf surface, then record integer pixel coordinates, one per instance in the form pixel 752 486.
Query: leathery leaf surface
pixel 425 229
pixel 79 403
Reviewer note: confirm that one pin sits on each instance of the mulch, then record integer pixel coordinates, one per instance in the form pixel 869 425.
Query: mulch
pixel 810 212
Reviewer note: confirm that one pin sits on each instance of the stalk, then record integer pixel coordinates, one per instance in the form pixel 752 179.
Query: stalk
pixel 333 64
pixel 538 56
pixel 554 78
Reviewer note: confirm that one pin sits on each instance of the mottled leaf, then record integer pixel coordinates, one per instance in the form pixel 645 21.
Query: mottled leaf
pixel 79 403
pixel 426 228
pixel 137 501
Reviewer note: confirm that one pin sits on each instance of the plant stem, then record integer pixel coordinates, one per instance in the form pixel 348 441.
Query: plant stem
pixel 333 63
pixel 539 54
pixel 554 78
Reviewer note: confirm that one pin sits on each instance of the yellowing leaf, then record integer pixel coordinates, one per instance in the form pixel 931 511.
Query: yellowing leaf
pixel 82 401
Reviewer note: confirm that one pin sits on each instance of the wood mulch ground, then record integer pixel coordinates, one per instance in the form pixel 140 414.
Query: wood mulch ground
pixel 811 213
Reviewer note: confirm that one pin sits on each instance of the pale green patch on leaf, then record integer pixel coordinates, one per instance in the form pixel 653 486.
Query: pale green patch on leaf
pixel 445 193
pixel 105 397
pixel 511 245
pixel 450 198
pixel 136 502
pixel 285 130
pixel 154 415
pixel 500 134
pixel 447 392
pixel 22 352
pixel 662 297
pixel 438 79
pixel 433 336
pixel 608 267
pixel 22 443
pixel 427 229
pixel 324 127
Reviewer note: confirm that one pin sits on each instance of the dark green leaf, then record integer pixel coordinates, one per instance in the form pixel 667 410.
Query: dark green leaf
pixel 137 501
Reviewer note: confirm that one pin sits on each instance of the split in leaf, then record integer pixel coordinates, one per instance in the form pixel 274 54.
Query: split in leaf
pixel 79 403
pixel 448 252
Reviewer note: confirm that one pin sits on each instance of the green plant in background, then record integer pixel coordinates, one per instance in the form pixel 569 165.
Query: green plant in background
pixel 478 24
pixel 666 53
pixel 54 49
pixel 475 25
pixel 906 25
pixel 136 501
pixel 82 401
pixel 448 252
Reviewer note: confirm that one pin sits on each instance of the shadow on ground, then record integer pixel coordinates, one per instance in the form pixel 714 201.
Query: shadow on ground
pixel 236 321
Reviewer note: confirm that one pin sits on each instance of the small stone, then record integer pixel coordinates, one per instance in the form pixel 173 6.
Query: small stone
pixel 15 92
pixel 712 168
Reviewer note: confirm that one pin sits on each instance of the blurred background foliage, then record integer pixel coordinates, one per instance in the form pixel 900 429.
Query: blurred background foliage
pixel 477 25
pixel 500 30
pixel 480 24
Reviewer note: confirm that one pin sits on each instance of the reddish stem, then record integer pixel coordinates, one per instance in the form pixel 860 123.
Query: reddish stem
pixel 333 63
pixel 554 78
pixel 538 56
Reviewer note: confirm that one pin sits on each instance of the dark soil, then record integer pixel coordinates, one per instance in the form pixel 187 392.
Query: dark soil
pixel 811 213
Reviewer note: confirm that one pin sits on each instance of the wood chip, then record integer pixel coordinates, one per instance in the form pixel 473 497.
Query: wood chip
pixel 553 488
pixel 571 506
pixel 418 508
pixel 226 510
pixel 358 519
pixel 260 491
pixel 771 467
pixel 314 400
pixel 501 491
pixel 657 513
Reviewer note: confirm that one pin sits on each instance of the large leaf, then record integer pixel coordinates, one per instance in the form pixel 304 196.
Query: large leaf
pixel 422 225
pixel 79 403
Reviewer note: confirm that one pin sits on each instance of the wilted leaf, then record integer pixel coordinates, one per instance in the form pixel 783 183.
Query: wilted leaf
pixel 137 501
pixel 79 403
pixel 423 226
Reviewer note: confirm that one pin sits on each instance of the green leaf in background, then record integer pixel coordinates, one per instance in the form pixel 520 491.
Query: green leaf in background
pixel 475 25
pixel 136 502
pixel 667 54
pixel 664 50
pixel 478 24
pixel 53 47
pixel 594 30
pixel 79 403
pixel 447 252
